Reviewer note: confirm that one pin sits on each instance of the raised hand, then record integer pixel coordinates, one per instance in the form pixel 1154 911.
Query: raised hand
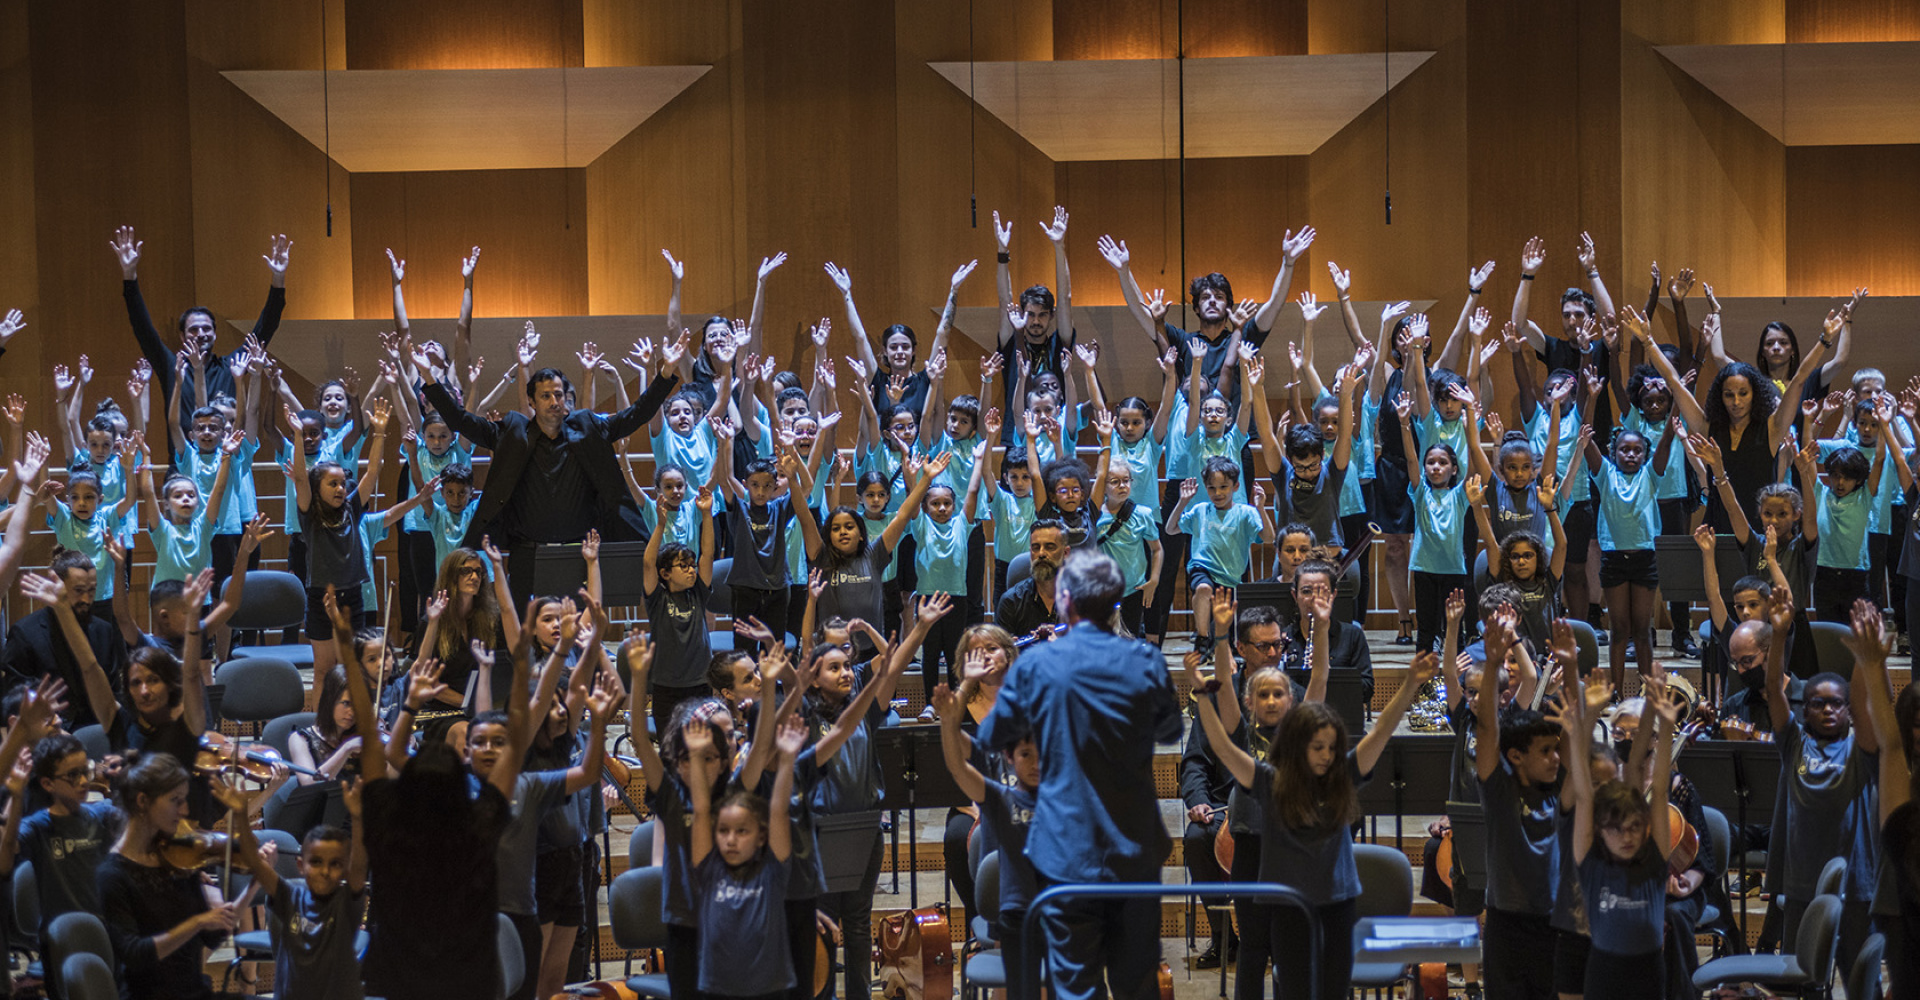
pixel 991 365
pixel 1393 311
pixel 1680 283
pixel 1294 244
pixel 12 323
pixel 1546 490
pixel 1588 254
pixel 1477 278
pixel 279 250
pixel 1114 251
pixel 841 279
pixel 423 682
pixel 1088 351
pixel 468 263
pixel 1342 280
pixel 672 351
pixel 1058 230
pixel 1156 305
pixel 126 250
pixel 1403 405
pixel 1189 488
pixel 1533 255
pixel 678 269
pixel 396 266
pixel 768 265
pixel 1475 490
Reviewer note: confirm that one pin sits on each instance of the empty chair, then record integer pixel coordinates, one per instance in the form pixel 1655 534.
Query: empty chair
pixel 985 970
pixel 513 964
pixel 278 734
pixel 1018 569
pixel 640 846
pixel 1863 980
pixel 1386 890
pixel 1589 645
pixel 1833 879
pixel 1809 964
pixel 634 905
pixel 94 738
pixel 76 933
pixel 87 976
pixel 720 595
pixel 260 688
pixel 273 601
pixel 26 899
pixel 1720 832
pixel 1830 648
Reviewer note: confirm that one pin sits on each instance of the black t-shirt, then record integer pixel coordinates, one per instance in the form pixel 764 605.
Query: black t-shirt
pixel 1044 357
pixel 433 921
pixel 552 501
pixel 138 903
pixel 681 646
pixel 1216 356
pixel 1901 840
pixel 124 733
pixel 915 398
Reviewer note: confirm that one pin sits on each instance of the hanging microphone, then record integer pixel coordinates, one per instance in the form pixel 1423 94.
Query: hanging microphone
pixel 1389 207
pixel 973 200
pixel 329 218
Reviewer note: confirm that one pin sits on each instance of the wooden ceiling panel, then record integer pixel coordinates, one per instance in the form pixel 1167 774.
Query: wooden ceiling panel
pixel 1816 94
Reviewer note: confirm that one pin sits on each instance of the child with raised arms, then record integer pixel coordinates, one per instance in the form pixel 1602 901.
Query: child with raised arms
pixel 1223 530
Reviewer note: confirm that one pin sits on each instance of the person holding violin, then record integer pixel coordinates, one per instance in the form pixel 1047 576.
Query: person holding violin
pixel 330 746
pixel 156 914
pixel 63 879
pixel 314 920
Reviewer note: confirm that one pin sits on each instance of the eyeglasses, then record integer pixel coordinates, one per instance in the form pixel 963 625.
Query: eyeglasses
pixel 77 776
pixel 1827 704
pixel 1270 647
pixel 468 571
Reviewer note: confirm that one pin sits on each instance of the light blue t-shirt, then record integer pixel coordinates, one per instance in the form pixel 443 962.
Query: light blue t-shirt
pixel 1567 427
pixel 88 536
pixel 797 541
pixel 329 452
pixel 1126 544
pixel 1365 449
pixel 1885 497
pixel 1047 450
pixel 331 440
pixel 1629 514
pixel 1439 527
pixel 1142 460
pixel 1200 448
pixel 431 465
pixel 1179 466
pixel 959 471
pixel 1012 518
pixel 238 506
pixel 1222 539
pixel 887 462
pixel 876 525
pixel 940 555
pixel 694 453
pixel 1454 433
pixel 113 489
pixel 181 551
pixel 1671 484
pixel 449 529
pixel 683 526
pixel 1844 523
pixel 373 529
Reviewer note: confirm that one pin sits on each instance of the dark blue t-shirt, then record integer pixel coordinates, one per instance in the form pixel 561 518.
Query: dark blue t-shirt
pixel 759 544
pixel 806 879
pixel 1008 812
pixel 743 927
pixel 682 647
pixel 313 942
pixel 1626 904
pixel 672 809
pixel 65 852
pixel 1830 794
pixel 1523 849
pixel 1318 863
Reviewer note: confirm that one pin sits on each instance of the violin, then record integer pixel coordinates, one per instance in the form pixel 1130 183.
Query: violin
pixel 219 754
pixel 189 849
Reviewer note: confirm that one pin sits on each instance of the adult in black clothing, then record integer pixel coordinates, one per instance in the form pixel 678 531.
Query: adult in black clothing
pixel 555 475
pixel 1204 786
pixel 1899 812
pixel 1747 656
pixel 432 835
pixel 1028 605
pixel 1211 297
pixel 37 647
pixel 196 325
pixel 898 346
pixel 157 915
pixel 1037 331
pixel 1345 642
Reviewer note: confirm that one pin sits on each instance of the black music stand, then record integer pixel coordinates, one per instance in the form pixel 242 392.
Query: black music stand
pixel 1412 776
pixel 915 777
pixel 1469 824
pixel 558 569
pixel 1683 578
pixel 846 841
pixel 1734 776
pixel 1346 696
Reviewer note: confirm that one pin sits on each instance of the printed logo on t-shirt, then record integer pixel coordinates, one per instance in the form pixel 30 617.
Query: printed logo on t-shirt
pixel 731 893
pixel 62 847
pixel 841 577
pixel 1611 901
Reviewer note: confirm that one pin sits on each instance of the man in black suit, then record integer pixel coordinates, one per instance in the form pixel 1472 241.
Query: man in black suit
pixel 555 475
pixel 36 647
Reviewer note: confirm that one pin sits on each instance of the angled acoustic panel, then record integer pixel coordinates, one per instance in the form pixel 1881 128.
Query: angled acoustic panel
pixel 1129 109
pixel 1815 94
pixel 465 119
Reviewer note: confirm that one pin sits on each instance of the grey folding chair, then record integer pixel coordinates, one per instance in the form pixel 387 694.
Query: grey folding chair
pixel 1386 890
pixel 985 970
pixel 634 902
pixel 87 976
pixel 260 689
pixel 274 601
pixel 1863 980
pixel 513 963
pixel 1808 966
pixel 278 734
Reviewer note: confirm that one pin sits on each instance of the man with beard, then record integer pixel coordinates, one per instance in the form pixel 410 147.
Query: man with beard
pixel 1095 705
pixel 197 328
pixel 36 647
pixel 1037 332
pixel 555 475
pixel 1028 605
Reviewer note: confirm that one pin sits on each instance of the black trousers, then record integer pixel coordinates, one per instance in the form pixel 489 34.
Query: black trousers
pixel 1097 947
pixel 942 645
pixel 1430 592
pixel 1173 549
pixel 1517 956
pixel 769 607
pixel 1201 864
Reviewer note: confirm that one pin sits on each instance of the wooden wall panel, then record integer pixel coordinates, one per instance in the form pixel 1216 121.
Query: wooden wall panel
pixel 462 34
pixel 1150 29
pixel 254 176
pixel 19 271
pixel 111 146
pixel 532 263
pixel 1852 21
pixel 1701 186
pixel 1706 22
pixel 1853 218
pixel 242 34
pixel 949 152
pixel 821 160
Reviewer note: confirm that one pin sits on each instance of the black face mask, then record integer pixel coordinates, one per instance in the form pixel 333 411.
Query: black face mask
pixel 1623 747
pixel 1755 678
